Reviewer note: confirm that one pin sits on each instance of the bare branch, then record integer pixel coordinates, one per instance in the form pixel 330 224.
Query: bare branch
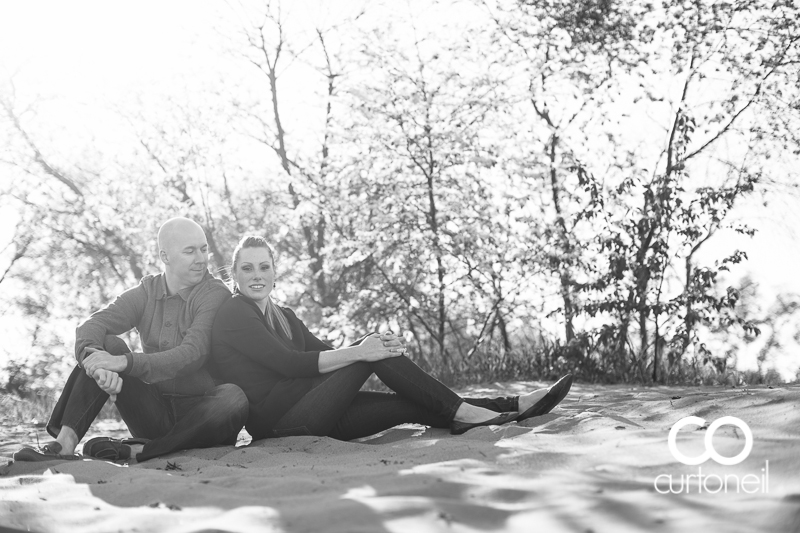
pixel 37 154
pixel 153 156
pixel 19 253
pixel 674 129
pixel 331 77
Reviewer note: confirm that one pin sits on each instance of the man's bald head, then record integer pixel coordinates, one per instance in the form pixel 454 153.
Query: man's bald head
pixel 183 248
pixel 175 231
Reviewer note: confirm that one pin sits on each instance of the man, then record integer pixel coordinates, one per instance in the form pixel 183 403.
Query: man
pixel 165 395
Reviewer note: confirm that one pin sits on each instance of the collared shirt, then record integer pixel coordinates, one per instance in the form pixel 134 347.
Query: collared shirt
pixel 175 331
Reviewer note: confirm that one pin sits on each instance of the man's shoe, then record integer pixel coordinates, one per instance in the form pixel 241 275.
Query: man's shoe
pixel 49 452
pixel 554 395
pixel 110 449
pixel 457 428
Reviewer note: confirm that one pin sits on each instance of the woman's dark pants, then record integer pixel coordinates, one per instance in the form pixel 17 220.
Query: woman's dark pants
pixel 336 407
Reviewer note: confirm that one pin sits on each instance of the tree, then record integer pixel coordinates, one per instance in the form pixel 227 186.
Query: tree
pixel 648 210
pixel 568 53
pixel 274 44
pixel 442 245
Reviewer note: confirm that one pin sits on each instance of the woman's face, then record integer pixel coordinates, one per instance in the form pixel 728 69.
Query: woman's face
pixel 255 273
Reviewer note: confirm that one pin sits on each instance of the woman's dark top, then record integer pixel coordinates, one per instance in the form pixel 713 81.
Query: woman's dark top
pixel 273 371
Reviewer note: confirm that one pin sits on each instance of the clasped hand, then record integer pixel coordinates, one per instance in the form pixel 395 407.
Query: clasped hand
pixel 383 346
pixel 108 381
pixel 104 368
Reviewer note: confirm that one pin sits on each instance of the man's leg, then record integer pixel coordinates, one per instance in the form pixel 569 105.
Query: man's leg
pixel 77 407
pixel 80 402
pixel 139 404
pixel 144 409
pixel 200 422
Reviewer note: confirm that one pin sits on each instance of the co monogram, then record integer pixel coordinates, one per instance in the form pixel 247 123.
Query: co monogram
pixel 710 452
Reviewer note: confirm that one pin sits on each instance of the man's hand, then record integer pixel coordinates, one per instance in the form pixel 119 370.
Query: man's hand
pixel 100 360
pixel 109 382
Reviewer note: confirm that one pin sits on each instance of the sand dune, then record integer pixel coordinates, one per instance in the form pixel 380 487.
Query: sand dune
pixel 590 465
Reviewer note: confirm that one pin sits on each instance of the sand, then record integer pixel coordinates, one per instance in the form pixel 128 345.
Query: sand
pixel 590 465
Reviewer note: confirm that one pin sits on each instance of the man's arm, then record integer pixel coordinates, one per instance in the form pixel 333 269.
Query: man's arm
pixel 193 351
pixel 120 316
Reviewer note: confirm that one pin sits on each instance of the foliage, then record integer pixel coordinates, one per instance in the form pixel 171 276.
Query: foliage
pixel 526 190
pixel 36 408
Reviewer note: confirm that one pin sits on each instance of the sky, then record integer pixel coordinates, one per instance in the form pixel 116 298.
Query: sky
pixel 85 52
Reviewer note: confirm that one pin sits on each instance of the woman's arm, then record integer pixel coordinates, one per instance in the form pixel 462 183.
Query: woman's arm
pixel 239 326
pixel 371 349
pixel 330 359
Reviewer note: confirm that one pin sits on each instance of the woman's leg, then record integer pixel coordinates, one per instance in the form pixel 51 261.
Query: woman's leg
pixel 336 408
pixel 408 380
pixel 373 412
pixel 319 410
pixel 501 404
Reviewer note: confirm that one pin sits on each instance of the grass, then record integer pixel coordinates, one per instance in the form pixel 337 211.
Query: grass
pixel 542 362
pixel 35 408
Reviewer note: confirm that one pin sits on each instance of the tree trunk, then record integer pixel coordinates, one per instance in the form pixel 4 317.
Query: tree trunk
pixel 314 235
pixel 644 338
pixel 433 224
pixel 565 276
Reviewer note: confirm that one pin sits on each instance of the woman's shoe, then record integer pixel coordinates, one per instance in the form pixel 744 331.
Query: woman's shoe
pixel 457 428
pixel 554 395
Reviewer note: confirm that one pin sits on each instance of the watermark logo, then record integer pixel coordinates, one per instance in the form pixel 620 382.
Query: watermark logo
pixel 750 483
pixel 710 452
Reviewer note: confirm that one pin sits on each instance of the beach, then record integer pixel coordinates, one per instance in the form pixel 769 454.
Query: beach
pixel 599 462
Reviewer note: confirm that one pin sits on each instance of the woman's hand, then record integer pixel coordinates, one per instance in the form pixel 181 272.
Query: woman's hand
pixel 375 349
pixel 390 340
pixel 369 349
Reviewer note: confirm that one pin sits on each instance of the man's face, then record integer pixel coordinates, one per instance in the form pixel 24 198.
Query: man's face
pixel 186 257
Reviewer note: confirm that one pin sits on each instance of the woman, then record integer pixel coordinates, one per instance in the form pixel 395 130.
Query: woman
pixel 298 385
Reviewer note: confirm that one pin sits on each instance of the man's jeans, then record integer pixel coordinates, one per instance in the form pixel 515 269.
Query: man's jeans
pixel 171 422
pixel 336 408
